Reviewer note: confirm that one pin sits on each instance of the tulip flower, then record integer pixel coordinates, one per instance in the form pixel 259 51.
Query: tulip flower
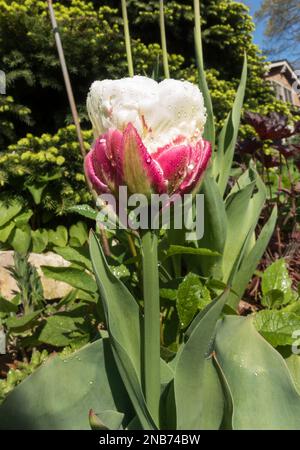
pixel 148 136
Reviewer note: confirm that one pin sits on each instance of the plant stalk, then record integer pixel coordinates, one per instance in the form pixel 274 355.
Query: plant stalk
pixel 163 39
pixel 198 38
pixel 127 38
pixel 151 343
pixel 66 77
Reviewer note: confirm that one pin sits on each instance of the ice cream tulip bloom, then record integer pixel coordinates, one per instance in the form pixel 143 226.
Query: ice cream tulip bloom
pixel 148 136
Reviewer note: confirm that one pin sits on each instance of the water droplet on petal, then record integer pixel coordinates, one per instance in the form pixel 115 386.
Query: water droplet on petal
pixel 191 166
pixel 102 141
pixel 148 160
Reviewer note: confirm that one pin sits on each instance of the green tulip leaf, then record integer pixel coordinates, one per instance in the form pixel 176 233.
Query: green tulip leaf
pixel 263 393
pixel 60 394
pixel 198 392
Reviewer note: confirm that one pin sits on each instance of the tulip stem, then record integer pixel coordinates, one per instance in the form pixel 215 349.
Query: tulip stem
pixel 163 39
pixel 151 343
pixel 127 38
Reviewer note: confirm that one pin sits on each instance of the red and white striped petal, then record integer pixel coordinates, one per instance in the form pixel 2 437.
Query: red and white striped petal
pixel 140 172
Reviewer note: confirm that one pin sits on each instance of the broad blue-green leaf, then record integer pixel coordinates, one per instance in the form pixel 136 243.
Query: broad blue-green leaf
pixel 99 421
pixel 276 276
pixel 60 394
pixel 251 260
pixel 209 131
pixel 215 224
pixel 228 136
pixel 277 327
pixel 243 208
pixel 198 393
pixel 263 393
pixel 293 363
pixel 236 209
pixel 77 278
pixel 123 322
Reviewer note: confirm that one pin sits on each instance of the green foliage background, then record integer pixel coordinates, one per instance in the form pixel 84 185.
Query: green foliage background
pixel 92 36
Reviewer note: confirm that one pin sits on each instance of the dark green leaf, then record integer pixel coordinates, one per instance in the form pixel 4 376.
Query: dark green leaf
pixel 58 237
pixel 23 323
pixel 191 296
pixel 277 327
pixel 181 250
pixel 78 234
pixel 7 307
pixel 85 211
pixel 20 239
pixel 8 212
pixel 276 277
pixel 39 240
pixel 79 256
pixel 57 330
pixel 77 278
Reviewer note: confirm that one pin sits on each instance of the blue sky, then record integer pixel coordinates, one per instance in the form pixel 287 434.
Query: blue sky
pixel 259 37
pixel 259 31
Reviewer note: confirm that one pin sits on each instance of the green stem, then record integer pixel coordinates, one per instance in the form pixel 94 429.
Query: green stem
pixel 127 39
pixel 198 38
pixel 151 350
pixel 163 39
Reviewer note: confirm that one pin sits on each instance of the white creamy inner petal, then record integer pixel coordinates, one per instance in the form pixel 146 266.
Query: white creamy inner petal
pixel 159 111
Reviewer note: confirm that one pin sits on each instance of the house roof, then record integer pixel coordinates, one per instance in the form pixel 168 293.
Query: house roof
pixel 286 66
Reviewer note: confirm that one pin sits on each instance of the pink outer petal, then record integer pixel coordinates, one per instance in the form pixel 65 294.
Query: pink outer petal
pixel 107 158
pixel 200 158
pixel 140 172
pixel 97 184
pixel 174 163
pixel 114 141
